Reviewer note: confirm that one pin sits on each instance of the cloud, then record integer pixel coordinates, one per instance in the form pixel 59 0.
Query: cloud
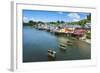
pixel 75 20
pixel 74 16
pixel 31 18
pixel 26 19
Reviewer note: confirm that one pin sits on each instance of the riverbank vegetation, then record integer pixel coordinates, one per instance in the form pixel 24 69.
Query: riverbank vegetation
pixel 58 23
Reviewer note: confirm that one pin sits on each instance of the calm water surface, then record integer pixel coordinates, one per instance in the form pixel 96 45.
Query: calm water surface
pixel 37 42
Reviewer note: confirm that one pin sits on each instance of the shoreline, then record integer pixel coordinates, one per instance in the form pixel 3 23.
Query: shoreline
pixel 87 41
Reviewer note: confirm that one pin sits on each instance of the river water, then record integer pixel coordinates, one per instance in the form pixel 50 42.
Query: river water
pixel 37 42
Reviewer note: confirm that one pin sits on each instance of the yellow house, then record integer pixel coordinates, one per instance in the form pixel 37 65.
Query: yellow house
pixel 66 30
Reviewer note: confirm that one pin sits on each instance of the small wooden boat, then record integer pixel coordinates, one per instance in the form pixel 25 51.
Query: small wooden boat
pixel 69 43
pixel 62 45
pixel 51 53
pixel 63 48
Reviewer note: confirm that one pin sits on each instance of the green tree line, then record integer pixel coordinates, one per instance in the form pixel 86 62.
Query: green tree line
pixel 57 23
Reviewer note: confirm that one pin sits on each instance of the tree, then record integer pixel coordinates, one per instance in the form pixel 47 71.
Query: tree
pixel 89 17
pixel 40 22
pixel 82 22
pixel 62 22
pixel 58 22
pixel 32 23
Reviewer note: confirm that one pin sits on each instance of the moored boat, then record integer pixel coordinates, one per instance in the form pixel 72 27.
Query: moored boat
pixel 69 43
pixel 51 53
pixel 62 48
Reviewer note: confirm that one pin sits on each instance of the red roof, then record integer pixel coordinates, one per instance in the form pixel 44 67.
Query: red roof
pixel 79 31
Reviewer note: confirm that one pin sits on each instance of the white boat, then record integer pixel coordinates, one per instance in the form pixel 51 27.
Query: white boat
pixel 51 53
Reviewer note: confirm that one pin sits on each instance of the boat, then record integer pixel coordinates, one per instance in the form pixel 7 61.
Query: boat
pixel 51 53
pixel 63 45
pixel 62 48
pixel 69 43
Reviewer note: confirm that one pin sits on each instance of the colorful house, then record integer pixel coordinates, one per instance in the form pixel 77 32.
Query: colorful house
pixel 79 32
pixel 66 30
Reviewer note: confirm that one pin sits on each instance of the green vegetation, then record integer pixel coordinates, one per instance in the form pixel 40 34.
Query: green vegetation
pixel 32 23
pixel 57 23
pixel 82 22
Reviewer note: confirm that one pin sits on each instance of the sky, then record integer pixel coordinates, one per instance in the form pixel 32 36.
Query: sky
pixel 49 16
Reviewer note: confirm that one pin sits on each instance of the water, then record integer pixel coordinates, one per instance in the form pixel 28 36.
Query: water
pixel 37 42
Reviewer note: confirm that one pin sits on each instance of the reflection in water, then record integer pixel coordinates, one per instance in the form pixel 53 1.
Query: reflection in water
pixel 36 44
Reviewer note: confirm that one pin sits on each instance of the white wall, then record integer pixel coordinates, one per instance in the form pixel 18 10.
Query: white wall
pixel 5 35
